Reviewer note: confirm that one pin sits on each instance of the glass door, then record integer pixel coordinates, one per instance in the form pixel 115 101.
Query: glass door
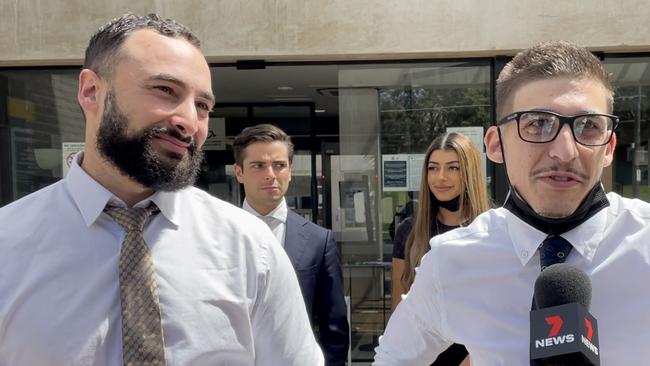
pixel 628 176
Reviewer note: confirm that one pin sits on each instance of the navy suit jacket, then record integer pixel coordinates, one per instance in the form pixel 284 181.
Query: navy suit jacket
pixel 316 259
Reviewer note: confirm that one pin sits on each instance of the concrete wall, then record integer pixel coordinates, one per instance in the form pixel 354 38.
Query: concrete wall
pixel 48 32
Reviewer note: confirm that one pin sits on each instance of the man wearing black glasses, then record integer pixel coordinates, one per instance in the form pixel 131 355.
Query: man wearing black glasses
pixel 555 135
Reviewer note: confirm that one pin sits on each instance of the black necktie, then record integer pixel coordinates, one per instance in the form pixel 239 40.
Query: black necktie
pixel 554 249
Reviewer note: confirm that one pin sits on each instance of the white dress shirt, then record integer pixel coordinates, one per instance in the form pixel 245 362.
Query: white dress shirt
pixel 276 219
pixel 228 293
pixel 475 287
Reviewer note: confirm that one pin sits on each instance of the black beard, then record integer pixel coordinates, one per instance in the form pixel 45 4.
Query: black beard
pixel 135 156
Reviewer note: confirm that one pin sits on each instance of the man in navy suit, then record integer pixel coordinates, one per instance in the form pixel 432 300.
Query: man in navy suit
pixel 263 157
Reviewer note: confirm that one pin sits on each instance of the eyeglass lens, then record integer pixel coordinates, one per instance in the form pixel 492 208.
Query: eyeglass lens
pixel 543 127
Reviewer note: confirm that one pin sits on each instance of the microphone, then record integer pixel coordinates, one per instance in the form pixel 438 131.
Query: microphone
pixel 562 332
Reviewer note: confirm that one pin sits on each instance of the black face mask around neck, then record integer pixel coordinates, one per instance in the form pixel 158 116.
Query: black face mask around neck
pixel 595 201
pixel 452 205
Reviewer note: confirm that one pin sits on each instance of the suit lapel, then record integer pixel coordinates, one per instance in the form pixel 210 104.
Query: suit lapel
pixel 296 239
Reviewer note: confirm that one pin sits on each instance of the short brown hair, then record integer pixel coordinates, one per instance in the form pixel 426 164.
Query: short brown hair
pixel 103 50
pixel 546 60
pixel 260 133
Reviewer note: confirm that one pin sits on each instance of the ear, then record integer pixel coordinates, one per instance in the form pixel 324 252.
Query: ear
pixel 239 173
pixel 609 152
pixel 88 93
pixel 493 145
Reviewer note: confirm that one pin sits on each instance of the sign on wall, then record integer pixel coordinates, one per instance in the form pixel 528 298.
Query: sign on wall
pixel 401 172
pixel 216 135
pixel 475 133
pixel 68 151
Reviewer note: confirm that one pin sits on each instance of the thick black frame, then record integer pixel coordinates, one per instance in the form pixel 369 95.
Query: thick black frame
pixel 564 120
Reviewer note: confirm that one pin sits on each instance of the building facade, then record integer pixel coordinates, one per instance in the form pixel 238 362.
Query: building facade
pixel 361 86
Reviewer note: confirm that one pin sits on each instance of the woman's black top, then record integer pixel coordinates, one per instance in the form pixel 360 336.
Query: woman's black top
pixel 403 231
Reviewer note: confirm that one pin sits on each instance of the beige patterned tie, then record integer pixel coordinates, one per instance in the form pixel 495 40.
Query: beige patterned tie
pixel 142 336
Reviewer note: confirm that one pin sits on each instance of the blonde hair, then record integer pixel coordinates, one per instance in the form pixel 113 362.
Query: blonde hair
pixel 473 198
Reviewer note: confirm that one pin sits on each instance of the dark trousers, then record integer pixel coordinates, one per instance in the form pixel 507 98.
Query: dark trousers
pixel 453 356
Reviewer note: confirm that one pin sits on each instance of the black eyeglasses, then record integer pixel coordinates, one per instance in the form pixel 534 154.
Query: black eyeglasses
pixel 538 127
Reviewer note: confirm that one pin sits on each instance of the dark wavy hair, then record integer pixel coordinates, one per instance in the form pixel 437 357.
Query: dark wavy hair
pixel 260 133
pixel 103 51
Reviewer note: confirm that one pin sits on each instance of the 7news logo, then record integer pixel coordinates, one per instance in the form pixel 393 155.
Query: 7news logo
pixel 553 338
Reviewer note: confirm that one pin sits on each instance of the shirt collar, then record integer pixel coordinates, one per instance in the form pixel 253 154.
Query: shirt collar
pixel 91 197
pixel 585 238
pixel 279 213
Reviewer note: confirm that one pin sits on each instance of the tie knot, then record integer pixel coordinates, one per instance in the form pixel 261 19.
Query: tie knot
pixel 554 249
pixel 269 220
pixel 131 218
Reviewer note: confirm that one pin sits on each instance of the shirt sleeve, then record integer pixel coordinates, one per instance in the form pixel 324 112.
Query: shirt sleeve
pixel 414 334
pixel 283 335
pixel 401 234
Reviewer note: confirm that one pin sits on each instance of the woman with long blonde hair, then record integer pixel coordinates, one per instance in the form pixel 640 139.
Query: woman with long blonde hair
pixel 452 193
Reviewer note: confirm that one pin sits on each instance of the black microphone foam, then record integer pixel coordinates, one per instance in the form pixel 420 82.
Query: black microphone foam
pixel 562 332
pixel 560 284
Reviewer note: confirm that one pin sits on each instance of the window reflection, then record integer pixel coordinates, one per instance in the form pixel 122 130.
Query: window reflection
pixel 41 114
pixel 631 80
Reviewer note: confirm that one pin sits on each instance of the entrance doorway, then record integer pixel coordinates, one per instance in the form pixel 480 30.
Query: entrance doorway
pixel 228 119
pixel 346 120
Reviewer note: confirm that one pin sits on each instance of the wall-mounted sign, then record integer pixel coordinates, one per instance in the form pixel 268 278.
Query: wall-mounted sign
pixel 475 133
pixel 401 172
pixel 68 151
pixel 216 135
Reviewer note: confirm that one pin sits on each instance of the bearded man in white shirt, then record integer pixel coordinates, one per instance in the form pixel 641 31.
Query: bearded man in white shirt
pixel 196 281
pixel 555 134
pixel 263 157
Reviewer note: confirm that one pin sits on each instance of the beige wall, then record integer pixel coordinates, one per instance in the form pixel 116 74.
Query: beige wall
pixel 45 32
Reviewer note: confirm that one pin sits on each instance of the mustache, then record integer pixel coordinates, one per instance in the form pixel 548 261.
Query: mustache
pixel 153 131
pixel 560 168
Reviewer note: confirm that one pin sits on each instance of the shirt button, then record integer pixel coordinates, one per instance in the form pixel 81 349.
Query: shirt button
pixel 524 253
